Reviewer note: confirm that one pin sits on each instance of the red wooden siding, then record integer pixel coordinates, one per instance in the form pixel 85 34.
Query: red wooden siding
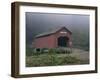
pixel 45 42
pixel 51 41
pixel 58 34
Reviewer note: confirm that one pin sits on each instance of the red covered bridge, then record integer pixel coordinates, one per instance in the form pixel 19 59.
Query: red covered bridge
pixel 59 37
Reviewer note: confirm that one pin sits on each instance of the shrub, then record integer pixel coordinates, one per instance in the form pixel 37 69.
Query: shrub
pixel 51 51
pixel 29 51
pixel 50 60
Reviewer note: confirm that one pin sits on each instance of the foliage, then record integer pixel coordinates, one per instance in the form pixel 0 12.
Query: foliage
pixel 51 60
pixel 80 39
pixel 29 51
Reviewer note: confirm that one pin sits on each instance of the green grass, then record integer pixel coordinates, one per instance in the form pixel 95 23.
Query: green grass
pixel 56 57
pixel 51 60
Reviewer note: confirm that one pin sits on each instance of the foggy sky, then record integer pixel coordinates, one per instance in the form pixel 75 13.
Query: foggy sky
pixel 39 22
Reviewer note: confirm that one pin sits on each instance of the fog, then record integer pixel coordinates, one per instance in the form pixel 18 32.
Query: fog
pixel 40 22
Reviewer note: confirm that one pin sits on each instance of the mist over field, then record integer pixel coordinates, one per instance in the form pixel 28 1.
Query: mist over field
pixel 40 22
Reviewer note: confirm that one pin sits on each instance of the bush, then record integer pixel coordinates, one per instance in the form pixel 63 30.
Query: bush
pixel 50 60
pixel 70 60
pixel 51 51
pixel 29 51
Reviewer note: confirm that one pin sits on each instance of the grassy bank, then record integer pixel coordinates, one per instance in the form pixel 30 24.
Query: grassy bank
pixel 49 59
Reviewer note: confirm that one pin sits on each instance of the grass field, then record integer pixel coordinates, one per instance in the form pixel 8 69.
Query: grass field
pixel 53 59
